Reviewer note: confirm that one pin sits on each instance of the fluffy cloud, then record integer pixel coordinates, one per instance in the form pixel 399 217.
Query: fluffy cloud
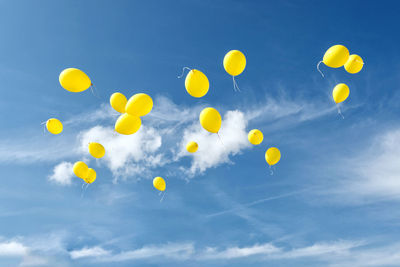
pixel 62 173
pixel 215 150
pixel 126 155
pixel 13 248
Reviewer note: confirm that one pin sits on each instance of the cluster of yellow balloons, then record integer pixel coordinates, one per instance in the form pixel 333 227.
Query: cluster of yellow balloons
pixel 272 155
pixel 137 106
pixel 81 170
pixel 338 56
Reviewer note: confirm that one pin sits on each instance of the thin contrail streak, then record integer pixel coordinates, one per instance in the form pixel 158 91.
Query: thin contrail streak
pixel 241 206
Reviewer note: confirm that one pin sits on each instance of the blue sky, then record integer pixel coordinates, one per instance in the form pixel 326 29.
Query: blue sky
pixel 334 196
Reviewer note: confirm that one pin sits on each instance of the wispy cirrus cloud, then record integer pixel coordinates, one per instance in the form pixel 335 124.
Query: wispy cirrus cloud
pixel 372 174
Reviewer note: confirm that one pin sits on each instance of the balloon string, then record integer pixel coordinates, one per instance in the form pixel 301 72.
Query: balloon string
pixel 183 71
pixel 271 171
pixel 339 111
pixel 220 139
pixel 319 69
pixel 44 127
pixel 93 89
pixel 235 85
pixel 162 198
pixel 82 190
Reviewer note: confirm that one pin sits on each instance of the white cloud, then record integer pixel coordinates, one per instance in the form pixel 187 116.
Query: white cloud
pixel 214 150
pixel 89 252
pixel 62 173
pixel 373 173
pixel 13 248
pixel 236 252
pixel 126 155
pixel 320 249
pixel 328 252
pixel 176 251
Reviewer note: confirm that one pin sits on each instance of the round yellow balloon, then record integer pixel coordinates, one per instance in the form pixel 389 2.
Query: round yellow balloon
pixel 192 147
pixel 127 124
pixel 272 156
pixel 54 126
pixel 196 83
pixel 336 56
pixel 159 183
pixel 97 150
pixel 139 105
pixel 354 64
pixel 210 119
pixel 255 137
pixel 91 176
pixel 74 80
pixel 118 102
pixel 234 62
pixel 80 169
pixel 340 92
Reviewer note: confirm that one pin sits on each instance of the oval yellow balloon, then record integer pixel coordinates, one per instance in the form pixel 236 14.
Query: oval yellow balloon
pixel 139 105
pixel 159 183
pixel 354 64
pixel 91 176
pixel 255 137
pixel 97 150
pixel 192 147
pixel 234 62
pixel 54 126
pixel 118 102
pixel 127 124
pixel 196 83
pixel 336 56
pixel 272 156
pixel 340 92
pixel 74 80
pixel 80 169
pixel 210 119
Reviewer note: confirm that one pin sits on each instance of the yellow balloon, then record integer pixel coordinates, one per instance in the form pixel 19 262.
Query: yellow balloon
pixel 91 176
pixel 255 137
pixel 272 156
pixel 192 147
pixel 354 64
pixel 97 150
pixel 54 126
pixel 196 83
pixel 127 124
pixel 80 169
pixel 234 62
pixel 340 92
pixel 118 102
pixel 336 56
pixel 159 183
pixel 210 119
pixel 139 105
pixel 74 80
